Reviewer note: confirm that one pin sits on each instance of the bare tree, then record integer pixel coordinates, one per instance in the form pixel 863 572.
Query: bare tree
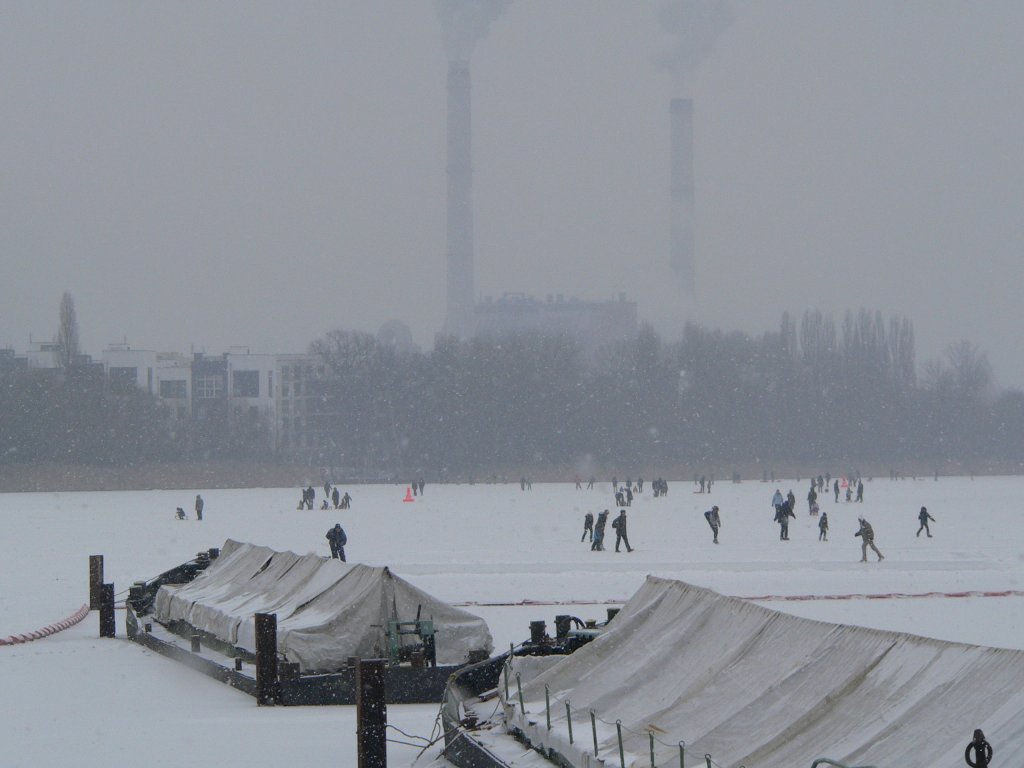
pixel 67 332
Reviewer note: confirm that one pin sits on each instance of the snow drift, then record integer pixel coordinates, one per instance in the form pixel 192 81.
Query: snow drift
pixel 751 686
pixel 327 610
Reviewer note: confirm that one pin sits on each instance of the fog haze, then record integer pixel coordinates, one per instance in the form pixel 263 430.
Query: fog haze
pixel 206 175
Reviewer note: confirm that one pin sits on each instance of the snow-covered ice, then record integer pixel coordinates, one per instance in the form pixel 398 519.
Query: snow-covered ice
pixel 73 696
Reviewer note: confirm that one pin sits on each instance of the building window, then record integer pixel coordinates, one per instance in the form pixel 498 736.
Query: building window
pixel 209 387
pixel 174 388
pixel 245 384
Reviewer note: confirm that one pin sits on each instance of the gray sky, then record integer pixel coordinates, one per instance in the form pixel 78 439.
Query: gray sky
pixel 216 174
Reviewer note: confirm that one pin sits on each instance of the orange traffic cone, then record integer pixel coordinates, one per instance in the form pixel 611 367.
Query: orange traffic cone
pixel 408 494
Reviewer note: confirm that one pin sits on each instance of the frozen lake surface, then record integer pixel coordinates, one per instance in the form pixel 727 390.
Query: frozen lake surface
pixel 492 546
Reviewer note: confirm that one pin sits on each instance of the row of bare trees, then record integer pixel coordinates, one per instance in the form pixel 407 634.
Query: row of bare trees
pixel 814 392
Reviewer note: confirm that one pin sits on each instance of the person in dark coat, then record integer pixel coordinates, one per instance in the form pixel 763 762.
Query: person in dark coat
pixel 588 526
pixel 867 539
pixel 619 524
pixel 337 540
pixel 199 507
pixel 924 517
pixel 812 497
pixel 180 513
pixel 310 497
pixel 602 520
pixel 714 521
pixel 823 527
pixel 782 514
pixel 629 496
pixel 346 501
pixel 335 497
pixel 860 490
pixel 835 487
pixel 982 751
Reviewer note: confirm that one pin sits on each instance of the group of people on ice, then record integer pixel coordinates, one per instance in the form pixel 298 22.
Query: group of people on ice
pixel 340 501
pixel 595 530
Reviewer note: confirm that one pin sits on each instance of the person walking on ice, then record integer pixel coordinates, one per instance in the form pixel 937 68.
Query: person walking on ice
pixel 619 524
pixel 598 543
pixel 714 521
pixel 199 507
pixel 923 517
pixel 337 539
pixel 867 539
pixel 588 526
pixel 823 527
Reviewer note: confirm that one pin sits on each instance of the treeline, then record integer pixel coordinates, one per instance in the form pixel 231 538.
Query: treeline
pixel 814 393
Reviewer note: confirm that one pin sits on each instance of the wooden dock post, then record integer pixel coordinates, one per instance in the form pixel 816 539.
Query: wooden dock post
pixel 371 713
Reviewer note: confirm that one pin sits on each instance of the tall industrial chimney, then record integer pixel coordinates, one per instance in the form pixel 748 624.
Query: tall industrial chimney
pixel 459 320
pixel 681 148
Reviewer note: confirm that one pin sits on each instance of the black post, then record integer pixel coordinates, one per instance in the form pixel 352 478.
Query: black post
pixel 266 659
pixel 107 626
pixel 371 713
pixel 95 581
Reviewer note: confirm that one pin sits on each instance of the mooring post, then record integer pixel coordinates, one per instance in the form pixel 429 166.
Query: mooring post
pixel 371 713
pixel 593 727
pixel 547 705
pixel 650 735
pixel 568 718
pixel 622 754
pixel 682 754
pixel 707 757
pixel 196 643
pixel 95 581
pixel 107 626
pixel 266 659
pixel 522 704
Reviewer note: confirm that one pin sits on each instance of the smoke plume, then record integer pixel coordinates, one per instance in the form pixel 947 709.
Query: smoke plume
pixel 466 21
pixel 693 27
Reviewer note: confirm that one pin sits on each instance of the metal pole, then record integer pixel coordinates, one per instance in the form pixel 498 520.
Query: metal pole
pixel 266 659
pixel 107 624
pixel 506 681
pixel 547 705
pixel 650 735
pixel 593 727
pixel 371 713
pixel 708 758
pixel 519 683
pixel 622 755
pixel 95 581
pixel 568 719
pixel 682 754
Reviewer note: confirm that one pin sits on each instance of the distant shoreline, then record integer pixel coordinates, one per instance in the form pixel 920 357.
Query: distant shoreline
pixel 30 478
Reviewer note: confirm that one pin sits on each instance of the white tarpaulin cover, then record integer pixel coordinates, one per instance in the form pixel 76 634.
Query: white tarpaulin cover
pixel 754 687
pixel 327 610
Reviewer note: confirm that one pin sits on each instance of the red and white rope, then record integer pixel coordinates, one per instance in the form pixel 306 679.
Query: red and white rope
pixel 52 629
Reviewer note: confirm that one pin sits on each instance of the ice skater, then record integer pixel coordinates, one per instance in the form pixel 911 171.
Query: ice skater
pixel 598 543
pixel 588 526
pixel 867 539
pixel 823 527
pixel 923 517
pixel 619 524
pixel 714 521
pixel 782 514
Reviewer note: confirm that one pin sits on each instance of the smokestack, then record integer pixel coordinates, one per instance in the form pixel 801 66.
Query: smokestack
pixel 681 149
pixel 459 321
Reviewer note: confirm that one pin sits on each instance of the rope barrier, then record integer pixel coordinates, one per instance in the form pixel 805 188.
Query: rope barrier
pixel 764 598
pixel 52 629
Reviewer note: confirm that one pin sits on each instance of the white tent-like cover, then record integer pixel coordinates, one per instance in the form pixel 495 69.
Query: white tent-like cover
pixel 327 610
pixel 751 686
